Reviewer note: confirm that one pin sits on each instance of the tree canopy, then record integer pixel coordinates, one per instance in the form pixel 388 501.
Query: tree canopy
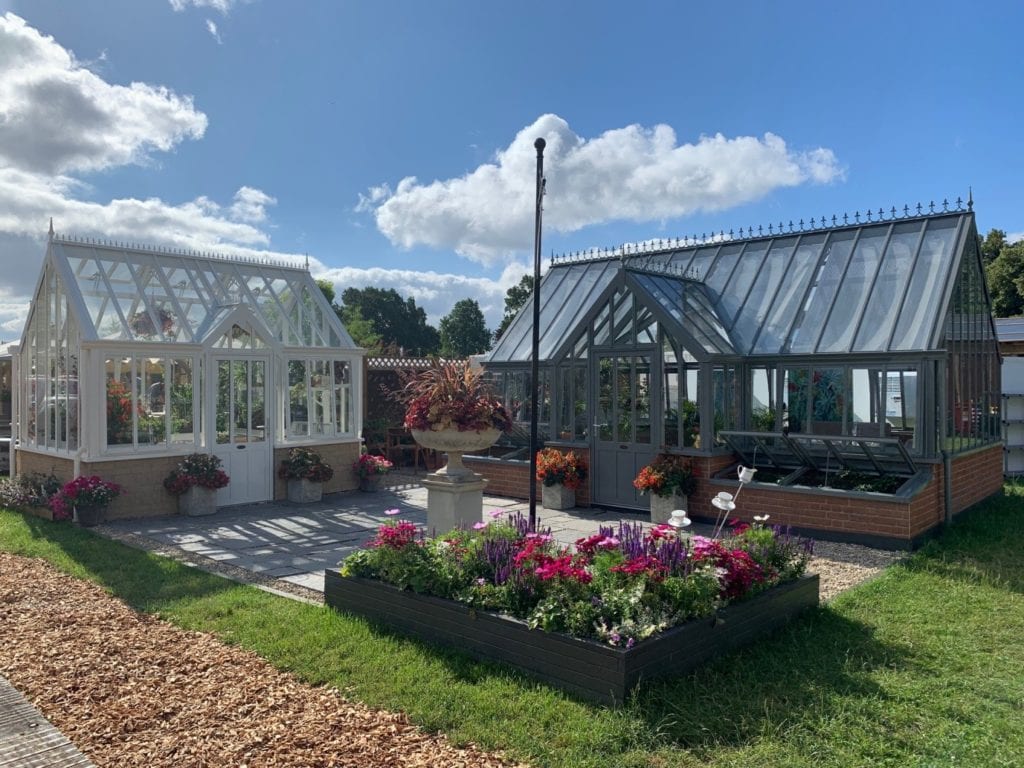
pixel 394 321
pixel 463 332
pixel 1004 273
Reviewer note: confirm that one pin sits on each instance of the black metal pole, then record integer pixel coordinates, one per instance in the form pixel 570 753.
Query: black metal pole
pixel 539 145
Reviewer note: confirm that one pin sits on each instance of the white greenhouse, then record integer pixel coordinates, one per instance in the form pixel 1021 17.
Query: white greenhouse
pixel 134 356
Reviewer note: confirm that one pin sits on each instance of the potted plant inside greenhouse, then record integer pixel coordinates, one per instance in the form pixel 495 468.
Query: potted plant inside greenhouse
pixel 195 482
pixel 670 480
pixel 371 469
pixel 306 472
pixel 451 408
pixel 561 474
pixel 85 497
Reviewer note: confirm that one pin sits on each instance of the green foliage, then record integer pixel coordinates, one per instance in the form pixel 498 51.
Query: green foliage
pixel 396 321
pixel 463 332
pixel 515 299
pixel 1005 276
pixel 327 289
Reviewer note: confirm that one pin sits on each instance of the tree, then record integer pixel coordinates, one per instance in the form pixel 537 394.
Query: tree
pixel 1005 277
pixel 463 332
pixel 327 289
pixel 515 299
pixel 992 245
pixel 396 321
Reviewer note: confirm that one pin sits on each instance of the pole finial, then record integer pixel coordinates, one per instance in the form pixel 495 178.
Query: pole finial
pixel 970 199
pixel 51 228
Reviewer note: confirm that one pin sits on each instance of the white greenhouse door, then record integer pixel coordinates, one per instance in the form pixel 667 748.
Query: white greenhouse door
pixel 241 431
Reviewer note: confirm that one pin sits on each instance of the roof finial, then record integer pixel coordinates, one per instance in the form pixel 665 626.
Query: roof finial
pixel 970 199
pixel 51 228
pixel 307 262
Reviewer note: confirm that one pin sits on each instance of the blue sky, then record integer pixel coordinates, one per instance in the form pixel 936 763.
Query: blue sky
pixel 392 141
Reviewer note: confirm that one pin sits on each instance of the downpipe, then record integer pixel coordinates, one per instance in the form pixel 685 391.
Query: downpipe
pixel 947 484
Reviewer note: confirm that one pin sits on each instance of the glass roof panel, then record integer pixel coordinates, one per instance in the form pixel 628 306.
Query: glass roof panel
pixel 890 284
pixel 721 269
pixel 823 292
pixel 684 302
pixel 786 303
pixel 762 293
pixel 701 262
pixel 735 291
pixel 854 290
pixel 568 295
pixel 917 318
pixel 155 295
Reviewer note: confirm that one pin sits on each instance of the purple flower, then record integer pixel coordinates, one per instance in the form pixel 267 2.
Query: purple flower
pixel 480 526
pixel 495 513
pixel 392 512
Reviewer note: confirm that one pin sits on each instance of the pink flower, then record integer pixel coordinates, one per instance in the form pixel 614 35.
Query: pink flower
pixel 392 511
pixel 480 526
pixel 495 513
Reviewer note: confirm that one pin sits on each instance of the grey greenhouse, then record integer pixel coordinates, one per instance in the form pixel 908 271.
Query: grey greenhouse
pixel 133 357
pixel 858 348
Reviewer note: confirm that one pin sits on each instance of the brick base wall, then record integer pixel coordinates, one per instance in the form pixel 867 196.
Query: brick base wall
pixel 512 478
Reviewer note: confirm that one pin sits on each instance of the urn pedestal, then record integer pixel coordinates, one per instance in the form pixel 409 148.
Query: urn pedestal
pixel 663 506
pixel 455 494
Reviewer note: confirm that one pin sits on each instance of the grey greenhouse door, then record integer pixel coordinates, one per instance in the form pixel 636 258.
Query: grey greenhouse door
pixel 623 430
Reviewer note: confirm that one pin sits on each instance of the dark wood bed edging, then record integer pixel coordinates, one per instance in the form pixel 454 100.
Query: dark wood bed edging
pixel 589 669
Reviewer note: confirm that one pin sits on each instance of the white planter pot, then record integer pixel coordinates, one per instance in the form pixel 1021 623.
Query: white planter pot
pixel 197 501
pixel 454 444
pixel 663 506
pixel 305 491
pixel 557 497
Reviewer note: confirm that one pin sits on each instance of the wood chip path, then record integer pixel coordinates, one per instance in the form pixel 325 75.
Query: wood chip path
pixel 130 689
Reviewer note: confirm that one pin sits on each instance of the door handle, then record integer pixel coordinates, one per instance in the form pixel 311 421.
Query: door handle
pixel 623 447
pixel 240 447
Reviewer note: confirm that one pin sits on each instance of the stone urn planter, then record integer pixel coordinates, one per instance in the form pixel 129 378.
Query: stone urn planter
pixel 663 506
pixel 454 444
pixel 305 491
pixel 557 496
pixel 371 483
pixel 88 515
pixel 198 501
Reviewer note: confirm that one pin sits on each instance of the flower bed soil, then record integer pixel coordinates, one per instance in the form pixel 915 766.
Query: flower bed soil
pixel 591 670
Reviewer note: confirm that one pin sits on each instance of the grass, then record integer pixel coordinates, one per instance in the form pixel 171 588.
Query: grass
pixel 923 666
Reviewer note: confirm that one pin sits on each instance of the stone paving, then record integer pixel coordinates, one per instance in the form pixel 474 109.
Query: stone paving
pixel 295 543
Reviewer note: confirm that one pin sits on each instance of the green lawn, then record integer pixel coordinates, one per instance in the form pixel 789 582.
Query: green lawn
pixel 923 666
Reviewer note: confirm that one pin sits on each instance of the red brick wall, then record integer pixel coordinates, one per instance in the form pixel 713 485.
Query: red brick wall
pixel 512 478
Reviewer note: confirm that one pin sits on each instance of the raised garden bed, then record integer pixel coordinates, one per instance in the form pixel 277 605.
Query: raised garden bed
pixel 589 669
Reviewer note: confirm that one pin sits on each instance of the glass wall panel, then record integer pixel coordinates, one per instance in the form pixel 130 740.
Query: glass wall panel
pixel 223 405
pixel 681 414
pixel 764 415
pixel 796 409
pixel 151 399
pixel 321 382
pixel 240 401
pixel 298 399
pixel 182 402
pixel 342 397
pixel 725 384
pixel 120 408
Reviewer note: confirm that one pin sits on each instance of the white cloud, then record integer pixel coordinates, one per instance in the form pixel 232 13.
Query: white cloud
pixel 211 27
pixel 435 292
pixel 224 6
pixel 250 205
pixel 1014 237
pixel 631 173
pixel 57 117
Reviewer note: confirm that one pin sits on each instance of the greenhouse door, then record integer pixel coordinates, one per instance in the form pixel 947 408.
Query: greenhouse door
pixel 624 441
pixel 239 411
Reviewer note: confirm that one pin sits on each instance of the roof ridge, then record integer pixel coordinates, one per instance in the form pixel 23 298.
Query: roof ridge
pixel 870 216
